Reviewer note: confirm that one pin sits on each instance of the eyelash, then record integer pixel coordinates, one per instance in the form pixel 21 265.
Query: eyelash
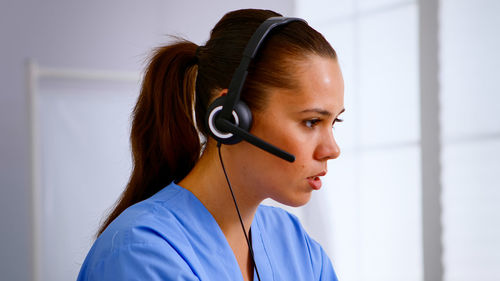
pixel 315 122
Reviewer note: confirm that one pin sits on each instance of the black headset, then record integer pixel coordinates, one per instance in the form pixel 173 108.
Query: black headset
pixel 228 118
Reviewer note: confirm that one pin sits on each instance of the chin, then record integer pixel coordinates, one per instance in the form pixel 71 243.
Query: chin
pixel 297 200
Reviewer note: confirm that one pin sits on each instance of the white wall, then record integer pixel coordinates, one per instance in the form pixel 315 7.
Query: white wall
pixel 107 35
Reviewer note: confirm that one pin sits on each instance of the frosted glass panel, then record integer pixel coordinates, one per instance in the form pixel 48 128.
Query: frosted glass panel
pixel 85 164
pixel 470 122
pixel 390 219
pixel 470 42
pixel 388 77
pixel 471 212
pixel 320 11
pixel 339 207
pixel 368 5
pixel 368 216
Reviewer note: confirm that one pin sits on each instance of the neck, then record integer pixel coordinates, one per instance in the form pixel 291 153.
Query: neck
pixel 208 183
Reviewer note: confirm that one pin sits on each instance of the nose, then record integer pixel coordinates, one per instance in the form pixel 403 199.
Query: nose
pixel 327 148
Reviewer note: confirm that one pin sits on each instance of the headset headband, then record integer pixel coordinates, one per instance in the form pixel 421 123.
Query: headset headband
pixel 240 74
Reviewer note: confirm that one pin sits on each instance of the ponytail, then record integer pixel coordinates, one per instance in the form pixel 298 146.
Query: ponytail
pixel 164 139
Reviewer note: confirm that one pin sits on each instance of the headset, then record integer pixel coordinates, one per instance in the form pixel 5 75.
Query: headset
pixel 228 118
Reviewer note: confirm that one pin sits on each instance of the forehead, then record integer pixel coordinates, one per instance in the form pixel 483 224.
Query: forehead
pixel 320 85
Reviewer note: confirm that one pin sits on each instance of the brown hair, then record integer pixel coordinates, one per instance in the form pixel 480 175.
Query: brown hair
pixel 181 78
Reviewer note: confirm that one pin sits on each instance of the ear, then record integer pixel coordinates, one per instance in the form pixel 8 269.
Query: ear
pixel 222 93
pixel 218 94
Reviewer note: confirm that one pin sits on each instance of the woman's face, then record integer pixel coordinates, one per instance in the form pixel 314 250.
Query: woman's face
pixel 300 122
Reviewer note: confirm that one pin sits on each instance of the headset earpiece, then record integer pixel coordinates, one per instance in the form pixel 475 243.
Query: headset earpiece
pixel 241 117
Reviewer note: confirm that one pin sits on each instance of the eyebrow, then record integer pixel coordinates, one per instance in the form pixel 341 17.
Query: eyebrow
pixel 321 111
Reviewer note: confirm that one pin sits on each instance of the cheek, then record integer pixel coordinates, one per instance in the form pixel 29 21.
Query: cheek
pixel 289 139
pixel 286 135
pixel 295 141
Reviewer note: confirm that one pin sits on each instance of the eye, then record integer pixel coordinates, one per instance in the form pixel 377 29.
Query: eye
pixel 311 123
pixel 337 120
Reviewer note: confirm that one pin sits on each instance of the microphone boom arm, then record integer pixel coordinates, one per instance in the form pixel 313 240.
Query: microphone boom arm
pixel 227 126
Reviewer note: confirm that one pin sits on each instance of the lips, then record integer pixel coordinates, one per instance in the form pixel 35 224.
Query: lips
pixel 315 181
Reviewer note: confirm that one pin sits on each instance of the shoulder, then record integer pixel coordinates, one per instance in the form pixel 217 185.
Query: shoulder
pixel 146 233
pixel 146 222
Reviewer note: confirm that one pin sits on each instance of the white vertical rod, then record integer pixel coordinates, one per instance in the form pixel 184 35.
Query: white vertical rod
pixel 430 139
pixel 33 73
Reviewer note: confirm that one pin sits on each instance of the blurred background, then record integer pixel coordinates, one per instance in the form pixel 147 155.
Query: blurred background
pixel 414 195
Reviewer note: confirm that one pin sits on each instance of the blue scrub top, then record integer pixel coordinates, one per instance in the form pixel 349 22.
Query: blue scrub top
pixel 172 236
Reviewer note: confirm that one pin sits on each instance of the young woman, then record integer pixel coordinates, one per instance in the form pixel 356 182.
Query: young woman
pixel 177 218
